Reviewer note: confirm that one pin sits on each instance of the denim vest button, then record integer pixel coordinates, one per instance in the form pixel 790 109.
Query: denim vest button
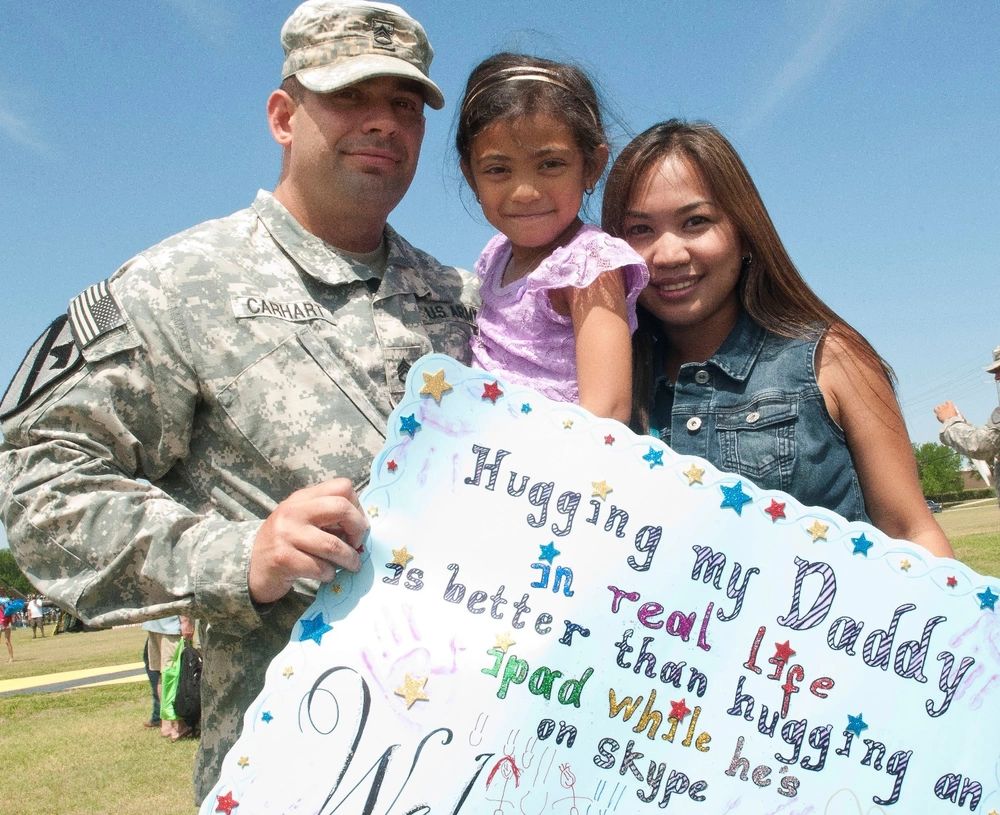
pixel 694 423
pixel 702 377
pixel 752 417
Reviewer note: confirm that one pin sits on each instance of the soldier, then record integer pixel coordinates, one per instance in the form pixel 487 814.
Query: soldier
pixel 188 438
pixel 982 443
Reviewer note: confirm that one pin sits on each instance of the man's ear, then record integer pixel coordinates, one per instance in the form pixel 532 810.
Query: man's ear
pixel 280 107
pixel 596 163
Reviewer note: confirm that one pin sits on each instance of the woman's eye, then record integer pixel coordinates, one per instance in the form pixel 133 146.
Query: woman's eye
pixel 696 221
pixel 637 230
pixel 553 164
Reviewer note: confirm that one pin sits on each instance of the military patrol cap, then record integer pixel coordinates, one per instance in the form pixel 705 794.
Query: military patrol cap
pixel 330 44
pixel 994 367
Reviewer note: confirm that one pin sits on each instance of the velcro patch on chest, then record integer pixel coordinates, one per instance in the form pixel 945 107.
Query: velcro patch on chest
pixel 295 311
pixel 52 358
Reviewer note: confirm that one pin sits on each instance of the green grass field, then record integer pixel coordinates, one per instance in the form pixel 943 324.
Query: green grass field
pixel 85 752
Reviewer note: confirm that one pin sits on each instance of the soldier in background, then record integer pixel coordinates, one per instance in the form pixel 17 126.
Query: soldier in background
pixel 188 438
pixel 981 443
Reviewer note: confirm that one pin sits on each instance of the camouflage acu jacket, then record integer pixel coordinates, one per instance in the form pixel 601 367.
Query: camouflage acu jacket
pixel 178 402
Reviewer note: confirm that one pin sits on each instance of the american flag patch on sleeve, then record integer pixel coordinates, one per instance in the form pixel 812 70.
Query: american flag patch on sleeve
pixel 94 312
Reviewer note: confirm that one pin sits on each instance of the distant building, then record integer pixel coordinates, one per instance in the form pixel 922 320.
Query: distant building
pixel 971 479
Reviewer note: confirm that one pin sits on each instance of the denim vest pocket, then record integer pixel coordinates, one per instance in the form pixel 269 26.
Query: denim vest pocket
pixel 757 439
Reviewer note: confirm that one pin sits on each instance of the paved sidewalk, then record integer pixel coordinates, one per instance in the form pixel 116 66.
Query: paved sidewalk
pixel 90 677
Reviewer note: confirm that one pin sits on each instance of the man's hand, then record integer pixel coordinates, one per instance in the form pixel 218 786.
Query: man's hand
pixel 945 411
pixel 309 534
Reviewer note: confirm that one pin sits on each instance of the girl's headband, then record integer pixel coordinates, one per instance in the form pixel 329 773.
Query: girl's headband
pixel 525 73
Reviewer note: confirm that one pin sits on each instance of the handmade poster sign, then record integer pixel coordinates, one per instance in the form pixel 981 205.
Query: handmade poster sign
pixel 557 615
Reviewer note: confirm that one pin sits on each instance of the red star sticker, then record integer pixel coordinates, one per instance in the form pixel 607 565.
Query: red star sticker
pixel 492 391
pixel 952 582
pixel 783 650
pixel 776 510
pixel 226 803
pixel 678 710
pixel 392 465
pixel 609 439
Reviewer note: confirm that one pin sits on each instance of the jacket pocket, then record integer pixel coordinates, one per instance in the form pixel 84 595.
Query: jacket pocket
pixel 301 410
pixel 757 439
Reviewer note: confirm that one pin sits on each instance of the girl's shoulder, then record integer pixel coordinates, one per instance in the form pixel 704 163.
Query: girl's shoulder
pixel 586 256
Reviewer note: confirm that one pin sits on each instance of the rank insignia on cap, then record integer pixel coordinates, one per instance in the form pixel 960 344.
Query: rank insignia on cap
pixel 382 31
pixel 52 358
pixel 94 312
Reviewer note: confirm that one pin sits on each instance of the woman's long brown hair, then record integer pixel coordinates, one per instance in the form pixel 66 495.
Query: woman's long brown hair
pixel 771 290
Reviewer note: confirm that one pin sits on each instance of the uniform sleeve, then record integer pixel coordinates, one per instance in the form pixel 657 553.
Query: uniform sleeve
pixel 982 443
pixel 83 520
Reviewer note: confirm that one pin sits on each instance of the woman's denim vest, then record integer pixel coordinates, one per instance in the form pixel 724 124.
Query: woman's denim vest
pixel 755 408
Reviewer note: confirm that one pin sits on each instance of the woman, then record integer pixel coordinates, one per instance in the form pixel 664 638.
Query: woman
pixel 736 359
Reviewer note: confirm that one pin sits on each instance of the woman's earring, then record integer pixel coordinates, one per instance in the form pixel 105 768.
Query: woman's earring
pixel 746 261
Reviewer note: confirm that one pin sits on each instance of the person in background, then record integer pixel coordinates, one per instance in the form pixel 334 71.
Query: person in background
pixel 982 442
pixel 162 636
pixel 736 358
pixel 192 444
pixel 6 624
pixel 36 616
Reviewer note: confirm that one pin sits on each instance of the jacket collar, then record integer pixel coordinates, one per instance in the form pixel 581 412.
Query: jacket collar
pixel 735 357
pixel 407 268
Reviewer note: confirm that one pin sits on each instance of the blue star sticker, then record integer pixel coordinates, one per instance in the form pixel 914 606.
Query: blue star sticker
pixel 525 408
pixel 654 457
pixel 409 424
pixel 548 552
pixel 734 497
pixel 314 629
pixel 855 724
pixel 987 599
pixel 266 716
pixel 862 545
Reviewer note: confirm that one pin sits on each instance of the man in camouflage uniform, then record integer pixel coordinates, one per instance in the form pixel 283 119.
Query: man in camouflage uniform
pixel 189 437
pixel 982 443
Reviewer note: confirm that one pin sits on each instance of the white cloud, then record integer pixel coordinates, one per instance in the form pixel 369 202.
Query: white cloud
pixel 838 21
pixel 19 131
pixel 212 20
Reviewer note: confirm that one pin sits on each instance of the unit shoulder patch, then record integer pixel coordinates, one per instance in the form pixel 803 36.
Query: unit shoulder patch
pixel 53 357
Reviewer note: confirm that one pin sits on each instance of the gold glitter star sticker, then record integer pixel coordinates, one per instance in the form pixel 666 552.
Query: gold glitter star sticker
pixel 503 642
pixel 694 474
pixel 567 424
pixel 818 531
pixel 373 511
pixel 401 557
pixel 412 690
pixel 243 761
pixel 288 672
pixel 434 385
pixel 601 489
pixel 905 565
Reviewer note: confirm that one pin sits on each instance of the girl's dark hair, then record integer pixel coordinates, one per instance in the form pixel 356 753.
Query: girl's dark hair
pixel 510 86
pixel 771 290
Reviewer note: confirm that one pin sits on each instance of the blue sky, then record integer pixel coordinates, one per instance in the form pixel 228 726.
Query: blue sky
pixel 869 128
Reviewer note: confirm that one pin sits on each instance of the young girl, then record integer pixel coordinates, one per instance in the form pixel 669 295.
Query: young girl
pixel 558 296
pixel 737 360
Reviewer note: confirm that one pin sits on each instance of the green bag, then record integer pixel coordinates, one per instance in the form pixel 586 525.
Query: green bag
pixel 169 677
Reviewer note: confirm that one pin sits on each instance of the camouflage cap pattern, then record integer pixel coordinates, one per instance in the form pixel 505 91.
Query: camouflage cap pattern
pixel 330 44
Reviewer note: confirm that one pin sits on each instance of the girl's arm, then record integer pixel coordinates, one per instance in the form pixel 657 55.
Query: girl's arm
pixel 603 344
pixel 860 399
